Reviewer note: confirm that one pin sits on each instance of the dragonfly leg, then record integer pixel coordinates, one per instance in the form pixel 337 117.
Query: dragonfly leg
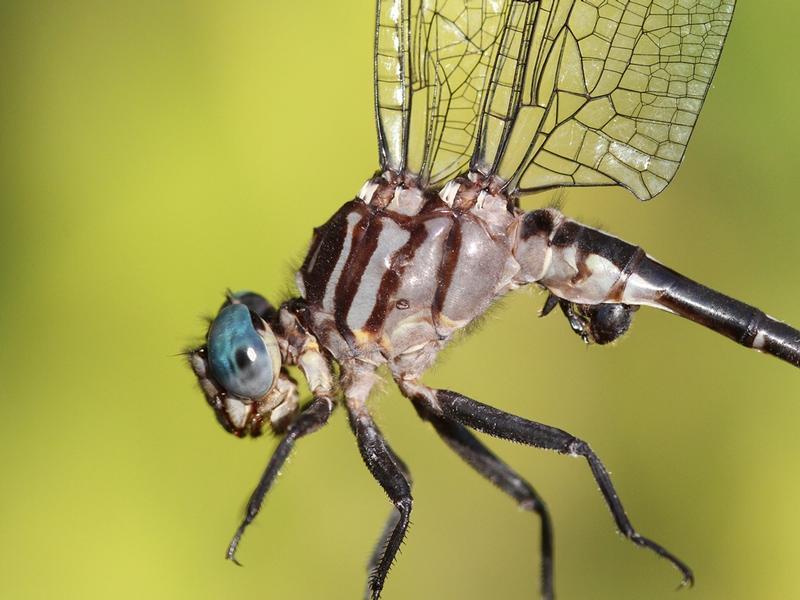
pixel 390 473
pixel 497 423
pixel 386 534
pixel 313 416
pixel 480 458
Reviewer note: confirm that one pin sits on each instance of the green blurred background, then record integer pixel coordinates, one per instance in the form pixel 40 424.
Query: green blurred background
pixel 153 154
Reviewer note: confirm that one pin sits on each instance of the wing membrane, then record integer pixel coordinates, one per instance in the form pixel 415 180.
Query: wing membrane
pixel 598 92
pixel 432 58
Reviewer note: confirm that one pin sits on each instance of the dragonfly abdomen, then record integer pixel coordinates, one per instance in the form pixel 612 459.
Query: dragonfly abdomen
pixel 586 266
pixel 575 262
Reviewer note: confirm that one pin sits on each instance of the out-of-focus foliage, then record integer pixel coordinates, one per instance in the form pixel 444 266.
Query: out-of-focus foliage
pixel 153 154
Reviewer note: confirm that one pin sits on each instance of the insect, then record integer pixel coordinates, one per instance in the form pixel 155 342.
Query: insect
pixel 478 104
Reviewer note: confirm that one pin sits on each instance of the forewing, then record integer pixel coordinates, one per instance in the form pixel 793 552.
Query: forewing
pixel 598 92
pixel 432 58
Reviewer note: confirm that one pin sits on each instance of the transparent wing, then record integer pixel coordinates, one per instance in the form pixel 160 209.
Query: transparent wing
pixel 598 92
pixel 431 61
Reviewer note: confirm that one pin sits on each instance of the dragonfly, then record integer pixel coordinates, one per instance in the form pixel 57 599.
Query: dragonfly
pixel 479 103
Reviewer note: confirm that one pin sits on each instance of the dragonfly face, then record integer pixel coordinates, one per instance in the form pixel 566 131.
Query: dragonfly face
pixel 239 368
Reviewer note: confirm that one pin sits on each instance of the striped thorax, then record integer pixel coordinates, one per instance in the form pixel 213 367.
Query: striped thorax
pixel 397 271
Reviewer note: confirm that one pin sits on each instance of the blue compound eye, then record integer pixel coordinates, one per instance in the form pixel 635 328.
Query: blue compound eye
pixel 240 360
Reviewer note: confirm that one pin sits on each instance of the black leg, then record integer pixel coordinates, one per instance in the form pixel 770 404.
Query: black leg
pixel 386 533
pixel 507 426
pixel 388 470
pixel 314 416
pixel 480 458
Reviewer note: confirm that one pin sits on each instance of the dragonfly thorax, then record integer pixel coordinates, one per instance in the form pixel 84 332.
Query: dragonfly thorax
pixel 397 271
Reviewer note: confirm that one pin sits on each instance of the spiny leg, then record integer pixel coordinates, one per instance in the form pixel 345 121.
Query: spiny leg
pixel 313 416
pixel 511 427
pixel 480 458
pixel 386 532
pixel 379 551
pixel 389 473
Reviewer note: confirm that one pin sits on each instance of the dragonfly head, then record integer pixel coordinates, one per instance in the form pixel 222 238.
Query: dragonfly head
pixel 239 368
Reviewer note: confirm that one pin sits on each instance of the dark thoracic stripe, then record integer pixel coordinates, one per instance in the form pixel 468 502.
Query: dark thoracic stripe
pixel 363 246
pixel 390 281
pixel 325 250
pixel 444 276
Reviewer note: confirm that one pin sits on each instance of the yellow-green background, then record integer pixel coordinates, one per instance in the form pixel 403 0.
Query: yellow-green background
pixel 153 154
